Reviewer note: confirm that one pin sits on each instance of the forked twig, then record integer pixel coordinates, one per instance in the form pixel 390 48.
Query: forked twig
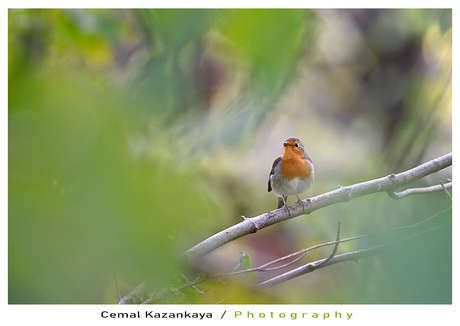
pixel 304 252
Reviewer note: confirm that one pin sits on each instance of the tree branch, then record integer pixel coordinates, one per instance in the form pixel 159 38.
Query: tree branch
pixel 265 268
pixel 334 251
pixel 350 256
pixel 424 190
pixel 303 252
pixel 386 184
pixel 141 295
pixel 445 189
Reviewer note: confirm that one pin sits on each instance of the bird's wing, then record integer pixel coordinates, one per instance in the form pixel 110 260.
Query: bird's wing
pixel 275 163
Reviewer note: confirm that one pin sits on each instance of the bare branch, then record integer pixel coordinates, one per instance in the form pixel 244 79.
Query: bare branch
pixel 444 186
pixel 138 295
pixel 303 252
pixel 350 256
pixel 265 268
pixel 424 190
pixel 343 194
pixel 334 251
pixel 141 295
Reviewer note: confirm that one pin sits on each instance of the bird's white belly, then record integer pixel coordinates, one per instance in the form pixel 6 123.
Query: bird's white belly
pixel 292 187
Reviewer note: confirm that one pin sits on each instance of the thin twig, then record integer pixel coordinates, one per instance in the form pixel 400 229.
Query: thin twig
pixel 304 252
pixel 350 256
pixel 444 186
pixel 139 294
pixel 264 268
pixel 415 191
pixel 334 251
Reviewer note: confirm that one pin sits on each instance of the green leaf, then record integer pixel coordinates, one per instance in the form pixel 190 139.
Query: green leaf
pixel 272 41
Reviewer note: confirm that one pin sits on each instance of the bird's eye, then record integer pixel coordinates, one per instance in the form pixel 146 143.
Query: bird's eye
pixel 286 144
pixel 296 144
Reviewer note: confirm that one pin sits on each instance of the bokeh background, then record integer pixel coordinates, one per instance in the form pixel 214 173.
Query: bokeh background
pixel 135 134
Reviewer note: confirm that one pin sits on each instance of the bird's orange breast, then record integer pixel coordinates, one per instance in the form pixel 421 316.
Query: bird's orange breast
pixel 294 165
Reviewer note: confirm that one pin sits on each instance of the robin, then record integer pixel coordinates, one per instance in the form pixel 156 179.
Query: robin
pixel 292 173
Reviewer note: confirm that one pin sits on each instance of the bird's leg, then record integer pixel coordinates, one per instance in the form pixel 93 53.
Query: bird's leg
pixel 286 206
pixel 301 202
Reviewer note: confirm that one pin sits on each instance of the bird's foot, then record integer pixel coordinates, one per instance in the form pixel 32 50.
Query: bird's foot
pixel 300 201
pixel 287 208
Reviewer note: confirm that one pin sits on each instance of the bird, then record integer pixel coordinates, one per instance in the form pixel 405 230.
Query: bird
pixel 292 173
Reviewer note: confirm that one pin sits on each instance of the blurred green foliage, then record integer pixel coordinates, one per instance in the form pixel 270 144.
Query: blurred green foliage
pixel 134 134
pixel 87 198
pixel 80 208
